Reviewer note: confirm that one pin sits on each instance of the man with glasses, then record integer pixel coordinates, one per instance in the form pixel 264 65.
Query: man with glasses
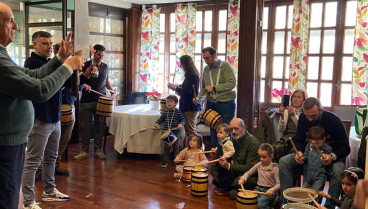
pixel 96 77
pixel 313 114
pixel 218 83
pixel 245 157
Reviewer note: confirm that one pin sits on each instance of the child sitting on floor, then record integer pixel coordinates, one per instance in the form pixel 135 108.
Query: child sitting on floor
pixel 349 180
pixel 190 156
pixel 268 176
pixel 172 119
pixel 315 174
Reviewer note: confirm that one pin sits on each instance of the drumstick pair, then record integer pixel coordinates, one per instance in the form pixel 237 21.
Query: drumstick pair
pixel 212 161
pixel 257 192
pixel 96 92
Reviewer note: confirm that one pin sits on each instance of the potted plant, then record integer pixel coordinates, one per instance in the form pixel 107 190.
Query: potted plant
pixel 154 99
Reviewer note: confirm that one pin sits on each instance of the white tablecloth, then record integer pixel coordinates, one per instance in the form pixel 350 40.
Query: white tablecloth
pixel 132 126
pixel 354 141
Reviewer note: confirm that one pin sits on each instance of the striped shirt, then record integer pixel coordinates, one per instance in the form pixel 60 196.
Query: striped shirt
pixel 171 119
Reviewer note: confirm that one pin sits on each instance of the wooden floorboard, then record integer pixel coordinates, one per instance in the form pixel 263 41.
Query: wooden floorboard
pixel 128 181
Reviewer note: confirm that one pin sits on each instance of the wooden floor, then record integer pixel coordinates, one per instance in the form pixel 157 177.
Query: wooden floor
pixel 127 181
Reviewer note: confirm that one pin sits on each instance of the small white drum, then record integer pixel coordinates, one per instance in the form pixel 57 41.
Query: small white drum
pixel 299 195
pixel 297 206
pixel 170 139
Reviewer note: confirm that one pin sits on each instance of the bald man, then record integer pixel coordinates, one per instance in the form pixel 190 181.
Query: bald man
pixel 18 88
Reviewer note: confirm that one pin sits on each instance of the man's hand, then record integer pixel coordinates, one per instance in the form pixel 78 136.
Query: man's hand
pixel 299 158
pixel 87 87
pixel 171 86
pixel 75 62
pixel 66 47
pixel 326 159
pixel 209 89
pixel 223 162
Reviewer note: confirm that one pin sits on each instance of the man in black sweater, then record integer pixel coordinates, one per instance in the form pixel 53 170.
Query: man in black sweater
pixel 313 114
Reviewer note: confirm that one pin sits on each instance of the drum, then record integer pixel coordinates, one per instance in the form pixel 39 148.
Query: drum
pixel 298 205
pixel 104 106
pixel 66 117
pixel 199 184
pixel 170 139
pixel 247 201
pixel 162 105
pixel 199 170
pixel 212 118
pixel 299 195
pixel 187 174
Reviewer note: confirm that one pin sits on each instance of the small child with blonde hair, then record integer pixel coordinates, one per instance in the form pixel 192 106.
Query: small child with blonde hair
pixel 191 156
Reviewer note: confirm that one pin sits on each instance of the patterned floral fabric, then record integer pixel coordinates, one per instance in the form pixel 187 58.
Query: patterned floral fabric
pixel 232 48
pixel 185 34
pixel 299 45
pixel 360 56
pixel 149 59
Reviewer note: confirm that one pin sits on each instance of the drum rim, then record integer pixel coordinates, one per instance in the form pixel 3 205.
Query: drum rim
pixel 247 198
pixel 300 200
pixel 298 204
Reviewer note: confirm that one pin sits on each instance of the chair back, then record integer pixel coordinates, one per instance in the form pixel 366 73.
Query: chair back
pixel 347 125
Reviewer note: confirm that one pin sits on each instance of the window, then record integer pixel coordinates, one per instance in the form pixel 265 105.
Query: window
pixel 210 31
pixel 330 49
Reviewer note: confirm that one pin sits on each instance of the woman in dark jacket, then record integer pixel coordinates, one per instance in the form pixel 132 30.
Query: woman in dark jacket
pixel 186 92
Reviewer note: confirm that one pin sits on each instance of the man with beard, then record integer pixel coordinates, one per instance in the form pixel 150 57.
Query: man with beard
pixel 313 114
pixel 245 157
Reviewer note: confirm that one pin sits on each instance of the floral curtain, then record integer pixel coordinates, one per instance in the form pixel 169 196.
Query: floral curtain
pixel 299 45
pixel 149 59
pixel 233 34
pixel 360 56
pixel 185 34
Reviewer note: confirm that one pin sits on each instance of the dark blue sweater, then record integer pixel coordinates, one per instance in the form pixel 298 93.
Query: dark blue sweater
pixel 334 128
pixel 185 91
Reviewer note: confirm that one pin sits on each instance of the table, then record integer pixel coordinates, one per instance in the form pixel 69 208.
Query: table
pixel 132 126
pixel 354 142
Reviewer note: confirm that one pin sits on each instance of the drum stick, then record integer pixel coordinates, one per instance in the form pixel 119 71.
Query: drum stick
pixel 181 160
pixel 242 187
pixel 292 143
pixel 319 151
pixel 145 130
pixel 201 152
pixel 314 201
pixel 96 92
pixel 257 192
pixel 366 173
pixel 212 161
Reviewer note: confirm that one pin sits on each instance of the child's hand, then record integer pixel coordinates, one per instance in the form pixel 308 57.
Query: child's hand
pixel 299 158
pixel 269 193
pixel 156 125
pixel 241 181
pixel 213 150
pixel 323 194
pixel 180 126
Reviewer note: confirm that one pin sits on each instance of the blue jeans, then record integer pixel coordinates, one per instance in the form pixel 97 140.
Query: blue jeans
pixel 226 110
pixel 288 166
pixel 11 167
pixel 42 147
pixel 264 202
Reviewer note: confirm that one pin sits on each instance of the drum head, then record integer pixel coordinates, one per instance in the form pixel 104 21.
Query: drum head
pixel 298 205
pixel 299 195
pixel 165 134
pixel 247 194
pixel 188 168
pixel 65 108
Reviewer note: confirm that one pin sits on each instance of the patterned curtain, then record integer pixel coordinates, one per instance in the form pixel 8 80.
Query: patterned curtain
pixel 185 34
pixel 360 56
pixel 299 45
pixel 233 34
pixel 149 62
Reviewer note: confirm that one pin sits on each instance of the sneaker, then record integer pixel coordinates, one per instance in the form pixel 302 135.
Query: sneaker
pixel 164 164
pixel 220 191
pixel 60 171
pixel 100 154
pixel 55 195
pixel 81 156
pixel 34 205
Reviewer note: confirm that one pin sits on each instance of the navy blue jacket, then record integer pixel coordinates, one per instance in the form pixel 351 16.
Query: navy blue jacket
pixel 185 91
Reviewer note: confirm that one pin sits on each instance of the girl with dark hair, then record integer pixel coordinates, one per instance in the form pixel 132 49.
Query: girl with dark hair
pixel 349 180
pixel 187 91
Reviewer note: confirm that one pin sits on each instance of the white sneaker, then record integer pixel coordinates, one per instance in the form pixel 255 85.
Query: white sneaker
pixel 55 195
pixel 34 205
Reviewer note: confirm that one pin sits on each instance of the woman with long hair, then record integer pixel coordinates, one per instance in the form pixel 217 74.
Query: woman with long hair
pixel 186 92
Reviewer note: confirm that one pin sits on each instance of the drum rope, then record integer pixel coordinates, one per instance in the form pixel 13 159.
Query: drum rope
pixel 172 117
